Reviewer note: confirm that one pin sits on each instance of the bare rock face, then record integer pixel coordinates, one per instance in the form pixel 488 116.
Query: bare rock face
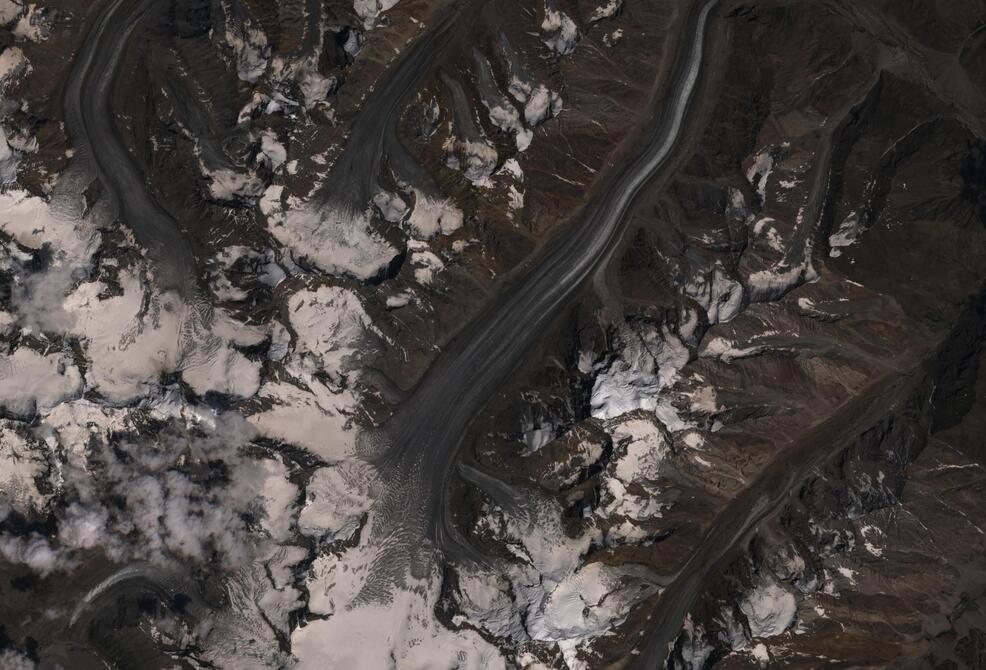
pixel 564 461
pixel 425 334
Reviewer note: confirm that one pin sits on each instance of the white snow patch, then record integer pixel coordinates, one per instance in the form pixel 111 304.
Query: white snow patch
pixel 272 152
pixel 337 240
pixel 541 104
pixel 610 39
pixel 370 10
pixel 585 604
pixel 759 172
pixel 31 382
pixel 559 32
pixel 30 221
pixel 277 495
pixel 606 11
pixel 9 10
pixel 222 370
pixel 13 63
pixel 251 50
pixel 847 235
pixel 11 659
pixel 693 440
pixel 12 149
pixel 771 284
pixel 770 610
pixel 391 206
pixel 315 418
pixel 476 160
pixel 720 295
pixel 129 344
pixel 331 331
pixel 336 500
pixel 432 216
pixel 848 574
pixel 867 532
pixel 727 351
pixel 648 363
pixel 645 449
pixel 762 228
pixel 485 602
pixel 639 451
pixel 760 654
pixel 34 25
pixel 401 633
pixel 331 327
pixel 695 651
pixel 424 262
pixel 22 464
pixel 228 185
pixel 402 299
